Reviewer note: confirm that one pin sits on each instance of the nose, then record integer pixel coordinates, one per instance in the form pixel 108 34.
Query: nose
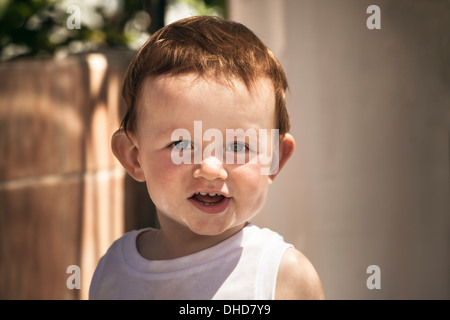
pixel 211 169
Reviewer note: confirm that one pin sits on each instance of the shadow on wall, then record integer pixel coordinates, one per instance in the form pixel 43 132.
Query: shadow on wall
pixel 63 196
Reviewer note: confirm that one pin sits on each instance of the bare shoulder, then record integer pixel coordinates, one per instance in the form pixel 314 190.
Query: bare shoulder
pixel 297 279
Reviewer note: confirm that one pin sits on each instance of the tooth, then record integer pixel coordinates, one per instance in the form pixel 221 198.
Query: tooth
pixel 203 193
pixel 212 194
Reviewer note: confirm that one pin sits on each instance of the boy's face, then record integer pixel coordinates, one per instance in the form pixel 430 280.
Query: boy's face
pixel 184 193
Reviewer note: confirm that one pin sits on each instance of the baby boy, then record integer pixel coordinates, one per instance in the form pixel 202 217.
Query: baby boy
pixel 207 130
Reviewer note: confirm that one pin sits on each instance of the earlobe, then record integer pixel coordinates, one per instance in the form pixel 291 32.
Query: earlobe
pixel 286 149
pixel 127 152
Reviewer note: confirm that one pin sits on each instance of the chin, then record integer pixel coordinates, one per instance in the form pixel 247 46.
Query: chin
pixel 215 228
pixel 208 230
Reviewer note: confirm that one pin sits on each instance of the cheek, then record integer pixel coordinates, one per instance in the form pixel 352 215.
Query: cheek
pixel 162 175
pixel 251 185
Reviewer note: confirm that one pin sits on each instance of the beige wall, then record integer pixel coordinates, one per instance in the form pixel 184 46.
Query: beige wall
pixel 369 181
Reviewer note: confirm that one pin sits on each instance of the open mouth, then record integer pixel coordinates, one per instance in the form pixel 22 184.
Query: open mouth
pixel 210 202
pixel 208 199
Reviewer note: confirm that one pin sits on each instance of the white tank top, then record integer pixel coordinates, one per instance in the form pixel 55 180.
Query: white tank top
pixel 242 267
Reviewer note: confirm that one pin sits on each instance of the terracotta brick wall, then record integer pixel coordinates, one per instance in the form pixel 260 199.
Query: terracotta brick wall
pixel 62 193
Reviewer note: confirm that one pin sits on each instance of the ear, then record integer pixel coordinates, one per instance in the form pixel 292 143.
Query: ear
pixel 286 149
pixel 127 152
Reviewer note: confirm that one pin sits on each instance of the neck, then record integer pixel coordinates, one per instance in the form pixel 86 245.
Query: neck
pixel 175 241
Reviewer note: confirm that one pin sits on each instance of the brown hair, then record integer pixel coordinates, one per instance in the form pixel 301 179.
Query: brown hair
pixel 207 46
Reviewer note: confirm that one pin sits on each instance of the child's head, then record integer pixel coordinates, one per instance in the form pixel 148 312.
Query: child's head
pixel 197 80
pixel 208 47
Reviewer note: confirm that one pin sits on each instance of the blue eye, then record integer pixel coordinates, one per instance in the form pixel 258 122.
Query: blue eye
pixel 237 147
pixel 182 145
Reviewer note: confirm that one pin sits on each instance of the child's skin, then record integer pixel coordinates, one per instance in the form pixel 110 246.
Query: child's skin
pixel 167 103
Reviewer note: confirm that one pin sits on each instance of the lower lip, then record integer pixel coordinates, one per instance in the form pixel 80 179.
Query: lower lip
pixel 211 209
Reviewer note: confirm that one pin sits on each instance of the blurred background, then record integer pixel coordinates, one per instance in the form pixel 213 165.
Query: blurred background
pixel 368 183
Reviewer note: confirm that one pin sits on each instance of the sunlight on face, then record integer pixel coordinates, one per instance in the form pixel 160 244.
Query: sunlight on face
pixel 206 194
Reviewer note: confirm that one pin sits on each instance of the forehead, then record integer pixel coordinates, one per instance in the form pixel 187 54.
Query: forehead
pixel 191 97
pixel 170 85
